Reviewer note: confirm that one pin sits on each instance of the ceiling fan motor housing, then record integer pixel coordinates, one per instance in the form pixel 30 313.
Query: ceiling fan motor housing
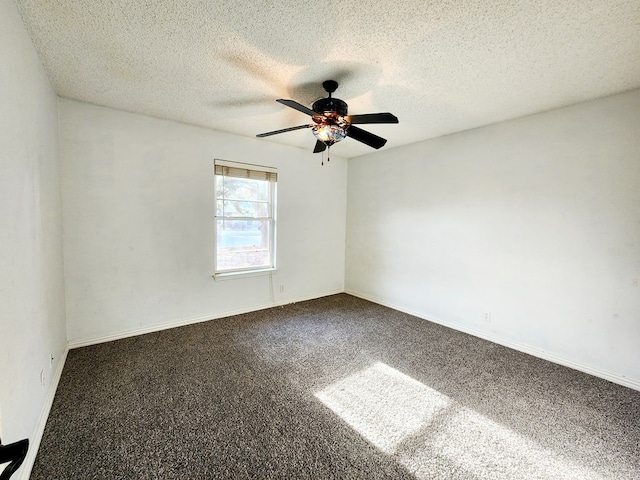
pixel 330 105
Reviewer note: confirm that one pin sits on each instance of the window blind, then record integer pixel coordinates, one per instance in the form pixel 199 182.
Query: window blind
pixel 239 170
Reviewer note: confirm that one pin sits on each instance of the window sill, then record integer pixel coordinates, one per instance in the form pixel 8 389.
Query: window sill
pixel 243 274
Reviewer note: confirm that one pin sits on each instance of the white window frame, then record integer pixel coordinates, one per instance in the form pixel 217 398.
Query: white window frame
pixel 246 170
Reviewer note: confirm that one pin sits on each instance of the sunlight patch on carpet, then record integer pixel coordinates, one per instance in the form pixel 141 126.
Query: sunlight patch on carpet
pixel 383 404
pixel 421 427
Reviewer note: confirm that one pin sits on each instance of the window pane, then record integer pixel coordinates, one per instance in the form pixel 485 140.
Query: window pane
pixel 244 208
pixel 231 188
pixel 243 244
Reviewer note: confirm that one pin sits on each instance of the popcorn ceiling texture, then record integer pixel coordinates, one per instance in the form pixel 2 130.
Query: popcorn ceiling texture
pixel 440 66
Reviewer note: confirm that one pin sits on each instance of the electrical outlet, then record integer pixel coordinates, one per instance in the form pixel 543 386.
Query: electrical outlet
pixel 487 317
pixel 281 288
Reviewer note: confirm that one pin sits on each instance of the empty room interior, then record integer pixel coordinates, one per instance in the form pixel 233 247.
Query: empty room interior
pixel 436 276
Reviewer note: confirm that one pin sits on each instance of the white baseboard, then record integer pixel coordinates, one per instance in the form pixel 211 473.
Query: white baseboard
pixel 536 352
pixel 190 321
pixel 34 443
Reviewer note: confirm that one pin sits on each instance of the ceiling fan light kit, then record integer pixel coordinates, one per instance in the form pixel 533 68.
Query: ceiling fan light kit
pixel 330 134
pixel 332 123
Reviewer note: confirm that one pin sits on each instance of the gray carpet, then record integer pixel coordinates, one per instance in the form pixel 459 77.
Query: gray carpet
pixel 336 387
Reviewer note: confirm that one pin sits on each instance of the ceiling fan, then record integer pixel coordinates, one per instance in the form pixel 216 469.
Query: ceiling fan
pixel 331 124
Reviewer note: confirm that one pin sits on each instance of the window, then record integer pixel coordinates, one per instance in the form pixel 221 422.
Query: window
pixel 245 217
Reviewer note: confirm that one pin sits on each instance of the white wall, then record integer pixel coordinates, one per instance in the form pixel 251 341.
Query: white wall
pixel 535 220
pixel 138 223
pixel 32 320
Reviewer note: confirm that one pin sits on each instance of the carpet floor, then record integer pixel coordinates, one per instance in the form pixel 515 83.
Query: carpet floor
pixel 337 387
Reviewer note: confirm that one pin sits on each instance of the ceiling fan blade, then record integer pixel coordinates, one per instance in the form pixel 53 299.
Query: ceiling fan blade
pixel 372 118
pixel 290 129
pixel 320 147
pixel 297 106
pixel 365 137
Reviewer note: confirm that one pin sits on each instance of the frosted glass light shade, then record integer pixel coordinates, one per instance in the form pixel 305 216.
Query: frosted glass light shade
pixel 329 134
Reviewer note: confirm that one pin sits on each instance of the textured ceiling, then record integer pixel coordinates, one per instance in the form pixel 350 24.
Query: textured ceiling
pixel 439 66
